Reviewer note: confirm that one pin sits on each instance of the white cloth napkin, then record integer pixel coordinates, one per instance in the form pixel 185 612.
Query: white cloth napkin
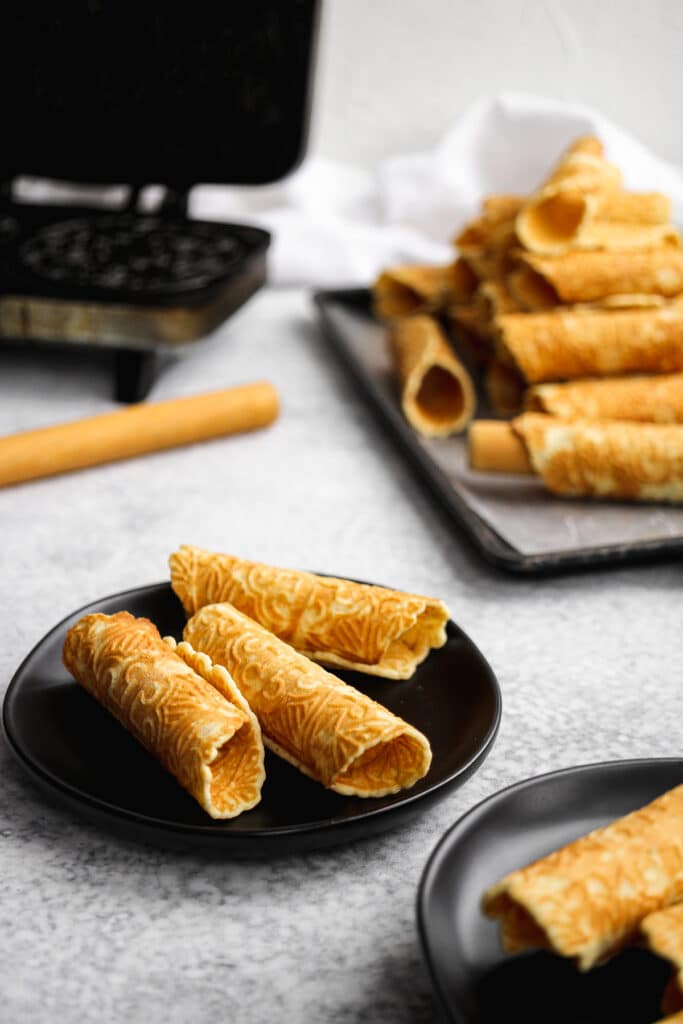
pixel 336 225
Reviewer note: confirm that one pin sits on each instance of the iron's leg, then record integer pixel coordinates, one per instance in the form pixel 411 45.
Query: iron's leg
pixel 136 370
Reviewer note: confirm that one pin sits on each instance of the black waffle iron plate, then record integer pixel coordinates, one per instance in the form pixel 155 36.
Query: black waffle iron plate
pixel 108 93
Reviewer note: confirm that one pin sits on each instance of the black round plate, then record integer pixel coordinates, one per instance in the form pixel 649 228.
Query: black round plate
pixel 81 753
pixel 475 981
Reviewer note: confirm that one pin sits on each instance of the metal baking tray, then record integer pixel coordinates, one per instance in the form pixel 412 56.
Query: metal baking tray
pixel 512 521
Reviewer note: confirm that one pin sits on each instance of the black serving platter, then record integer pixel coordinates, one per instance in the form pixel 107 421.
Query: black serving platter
pixel 475 981
pixel 80 754
pixel 593 534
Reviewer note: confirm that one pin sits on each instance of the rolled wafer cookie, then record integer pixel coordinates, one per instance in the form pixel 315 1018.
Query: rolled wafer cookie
pixel 615 236
pixel 412 289
pixel 594 458
pixel 567 344
pixel 586 900
pixel 327 729
pixel 436 391
pixel 635 207
pixel 492 298
pixel 182 708
pixel 494 447
pixel 644 398
pixel 591 276
pixel 501 206
pixel 615 205
pixel 335 621
pixel 499 213
pixel 662 933
pixel 493 256
pixel 554 216
pixel 533 293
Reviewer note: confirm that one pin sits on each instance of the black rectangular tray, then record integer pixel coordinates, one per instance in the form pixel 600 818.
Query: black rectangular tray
pixel 484 512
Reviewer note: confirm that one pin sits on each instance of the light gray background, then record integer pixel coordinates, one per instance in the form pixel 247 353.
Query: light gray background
pixel 96 930
pixel 394 73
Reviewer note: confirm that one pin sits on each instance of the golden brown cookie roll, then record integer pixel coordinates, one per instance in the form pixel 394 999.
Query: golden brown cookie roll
pixel 645 399
pixel 492 257
pixel 533 293
pixel 615 236
pixel 662 933
pixel 184 710
pixel 628 207
pixel 602 459
pixel 494 447
pixel 592 276
pixel 585 901
pixel 567 344
pixel 135 430
pixel 409 290
pixel 338 622
pixel 492 299
pixel 327 729
pixel 437 394
pixel 555 216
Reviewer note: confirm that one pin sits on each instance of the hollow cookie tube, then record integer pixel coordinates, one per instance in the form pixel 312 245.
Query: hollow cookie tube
pixel 603 459
pixel 580 276
pixel 533 293
pixel 437 394
pixel 136 430
pixel 554 216
pixel 334 621
pixel 494 447
pixel 411 289
pixel 187 712
pixel 624 207
pixel 567 344
pixel 644 398
pixel 330 731
pixel 586 900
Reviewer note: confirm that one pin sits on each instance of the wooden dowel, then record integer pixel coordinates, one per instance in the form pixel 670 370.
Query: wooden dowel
pixel 136 430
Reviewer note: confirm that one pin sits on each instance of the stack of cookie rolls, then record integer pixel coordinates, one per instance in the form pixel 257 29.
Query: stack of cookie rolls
pixel 571 299
pixel 338 622
pixel 314 720
pixel 577 264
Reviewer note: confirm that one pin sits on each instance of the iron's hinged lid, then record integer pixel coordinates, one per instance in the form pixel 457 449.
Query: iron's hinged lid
pixel 122 92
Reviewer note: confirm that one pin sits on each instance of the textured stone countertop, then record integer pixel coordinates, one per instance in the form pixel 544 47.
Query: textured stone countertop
pixel 97 929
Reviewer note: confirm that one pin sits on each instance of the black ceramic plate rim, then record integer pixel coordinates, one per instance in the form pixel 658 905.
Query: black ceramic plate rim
pixel 245 836
pixel 470 820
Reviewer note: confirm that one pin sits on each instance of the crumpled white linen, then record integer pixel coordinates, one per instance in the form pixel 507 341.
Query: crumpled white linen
pixel 336 225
